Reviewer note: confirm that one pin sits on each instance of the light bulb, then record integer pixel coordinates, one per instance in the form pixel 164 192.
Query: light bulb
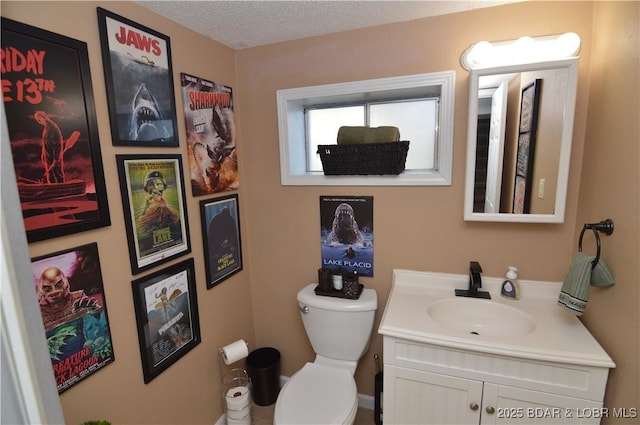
pixel 567 45
pixel 480 53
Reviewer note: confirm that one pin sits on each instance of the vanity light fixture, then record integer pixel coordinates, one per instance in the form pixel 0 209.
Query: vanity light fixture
pixel 524 50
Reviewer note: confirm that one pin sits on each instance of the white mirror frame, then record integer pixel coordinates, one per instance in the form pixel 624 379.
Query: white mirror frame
pixel 565 150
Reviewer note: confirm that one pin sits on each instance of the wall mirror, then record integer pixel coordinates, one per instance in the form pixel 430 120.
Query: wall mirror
pixel 519 141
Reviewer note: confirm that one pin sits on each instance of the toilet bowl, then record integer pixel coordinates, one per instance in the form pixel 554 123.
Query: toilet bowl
pixel 324 392
pixel 317 394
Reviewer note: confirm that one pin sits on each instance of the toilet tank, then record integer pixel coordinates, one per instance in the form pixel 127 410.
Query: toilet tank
pixel 338 328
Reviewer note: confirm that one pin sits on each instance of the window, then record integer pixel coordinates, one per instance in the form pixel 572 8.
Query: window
pixel 417 120
pixel 421 106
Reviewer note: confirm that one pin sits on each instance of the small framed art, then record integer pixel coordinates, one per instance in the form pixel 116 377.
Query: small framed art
pixel 139 80
pixel 154 208
pixel 74 313
pixel 221 229
pixel 166 308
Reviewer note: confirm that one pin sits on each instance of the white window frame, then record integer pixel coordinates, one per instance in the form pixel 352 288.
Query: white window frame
pixel 291 127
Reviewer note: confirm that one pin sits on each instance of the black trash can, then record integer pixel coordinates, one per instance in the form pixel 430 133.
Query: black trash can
pixel 263 366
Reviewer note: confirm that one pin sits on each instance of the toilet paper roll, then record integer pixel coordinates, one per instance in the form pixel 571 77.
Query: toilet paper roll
pixel 237 398
pixel 240 413
pixel 235 351
pixel 243 421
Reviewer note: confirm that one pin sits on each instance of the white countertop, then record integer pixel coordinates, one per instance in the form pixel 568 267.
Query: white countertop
pixel 558 335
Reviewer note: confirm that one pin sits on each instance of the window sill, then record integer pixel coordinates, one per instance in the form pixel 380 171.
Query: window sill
pixel 407 178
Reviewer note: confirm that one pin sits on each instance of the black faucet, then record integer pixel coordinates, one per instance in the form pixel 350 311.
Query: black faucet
pixel 475 282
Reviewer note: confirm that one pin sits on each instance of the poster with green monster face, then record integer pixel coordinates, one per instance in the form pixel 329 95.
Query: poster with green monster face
pixel 155 208
pixel 74 313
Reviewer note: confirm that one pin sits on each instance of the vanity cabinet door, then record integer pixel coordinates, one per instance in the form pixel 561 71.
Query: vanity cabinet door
pixel 418 397
pixel 509 405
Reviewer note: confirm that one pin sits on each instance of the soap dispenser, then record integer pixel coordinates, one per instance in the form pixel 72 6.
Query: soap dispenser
pixel 511 287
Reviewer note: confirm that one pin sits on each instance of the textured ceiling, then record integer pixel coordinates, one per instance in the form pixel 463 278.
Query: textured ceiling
pixel 242 24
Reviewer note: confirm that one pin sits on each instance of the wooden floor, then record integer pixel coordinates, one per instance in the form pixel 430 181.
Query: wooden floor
pixel 263 415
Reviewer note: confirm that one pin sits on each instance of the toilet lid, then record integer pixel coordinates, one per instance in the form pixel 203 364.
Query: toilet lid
pixel 317 394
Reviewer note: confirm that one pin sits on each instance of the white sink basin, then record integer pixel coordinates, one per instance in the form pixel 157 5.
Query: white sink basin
pixel 481 317
pixel 422 308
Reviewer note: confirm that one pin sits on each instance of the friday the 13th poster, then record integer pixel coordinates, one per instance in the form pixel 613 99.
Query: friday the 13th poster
pixel 48 101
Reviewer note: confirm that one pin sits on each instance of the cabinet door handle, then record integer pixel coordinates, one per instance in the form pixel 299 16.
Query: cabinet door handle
pixel 473 406
pixel 490 410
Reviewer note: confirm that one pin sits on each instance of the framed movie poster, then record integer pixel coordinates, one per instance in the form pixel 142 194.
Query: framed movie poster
pixel 221 229
pixel 139 81
pixel 74 312
pixel 525 159
pixel 154 208
pixel 49 105
pixel 211 135
pixel 166 309
pixel 346 234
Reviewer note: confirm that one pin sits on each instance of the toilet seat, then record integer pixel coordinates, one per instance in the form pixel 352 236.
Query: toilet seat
pixel 317 394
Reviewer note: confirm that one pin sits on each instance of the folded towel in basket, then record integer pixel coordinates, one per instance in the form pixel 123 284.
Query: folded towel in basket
pixel 348 135
pixel 574 293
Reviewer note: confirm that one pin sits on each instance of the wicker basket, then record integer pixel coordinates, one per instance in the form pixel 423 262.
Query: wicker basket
pixel 364 159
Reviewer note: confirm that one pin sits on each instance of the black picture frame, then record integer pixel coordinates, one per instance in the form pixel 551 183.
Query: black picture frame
pixel 53 132
pixel 220 219
pixel 139 81
pixel 156 218
pixel 525 157
pixel 73 305
pixel 167 318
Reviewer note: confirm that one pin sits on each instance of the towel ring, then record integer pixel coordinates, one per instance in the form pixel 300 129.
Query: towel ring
pixel 605 226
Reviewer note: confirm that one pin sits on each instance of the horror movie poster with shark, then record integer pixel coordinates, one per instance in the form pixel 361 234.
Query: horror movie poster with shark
pixel 346 233
pixel 166 307
pixel 211 141
pixel 139 80
pixel 48 101
pixel 74 313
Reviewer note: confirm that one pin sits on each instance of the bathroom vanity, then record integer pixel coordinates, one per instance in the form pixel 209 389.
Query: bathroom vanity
pixel 456 360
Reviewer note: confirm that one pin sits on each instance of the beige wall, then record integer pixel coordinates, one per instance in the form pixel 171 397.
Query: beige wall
pixel 188 391
pixel 416 227
pixel 610 188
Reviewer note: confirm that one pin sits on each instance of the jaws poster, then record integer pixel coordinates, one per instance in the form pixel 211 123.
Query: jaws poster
pixel 139 79
pixel 346 233
pixel 211 135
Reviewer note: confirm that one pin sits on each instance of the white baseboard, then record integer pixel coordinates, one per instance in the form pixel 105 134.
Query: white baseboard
pixel 364 402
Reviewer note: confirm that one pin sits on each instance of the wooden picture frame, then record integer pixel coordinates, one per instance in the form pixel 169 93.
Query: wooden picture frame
pixel 222 243
pixel 166 308
pixel 155 208
pixel 53 132
pixel 139 81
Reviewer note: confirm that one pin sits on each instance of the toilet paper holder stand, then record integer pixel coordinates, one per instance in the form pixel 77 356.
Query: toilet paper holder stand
pixel 222 363
pixel 240 411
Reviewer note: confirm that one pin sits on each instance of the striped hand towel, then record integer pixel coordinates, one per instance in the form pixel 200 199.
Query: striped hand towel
pixel 574 293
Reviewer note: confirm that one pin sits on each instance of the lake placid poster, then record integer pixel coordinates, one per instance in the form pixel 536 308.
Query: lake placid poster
pixel 346 233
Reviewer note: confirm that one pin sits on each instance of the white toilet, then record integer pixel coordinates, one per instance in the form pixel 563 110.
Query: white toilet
pixel 324 392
